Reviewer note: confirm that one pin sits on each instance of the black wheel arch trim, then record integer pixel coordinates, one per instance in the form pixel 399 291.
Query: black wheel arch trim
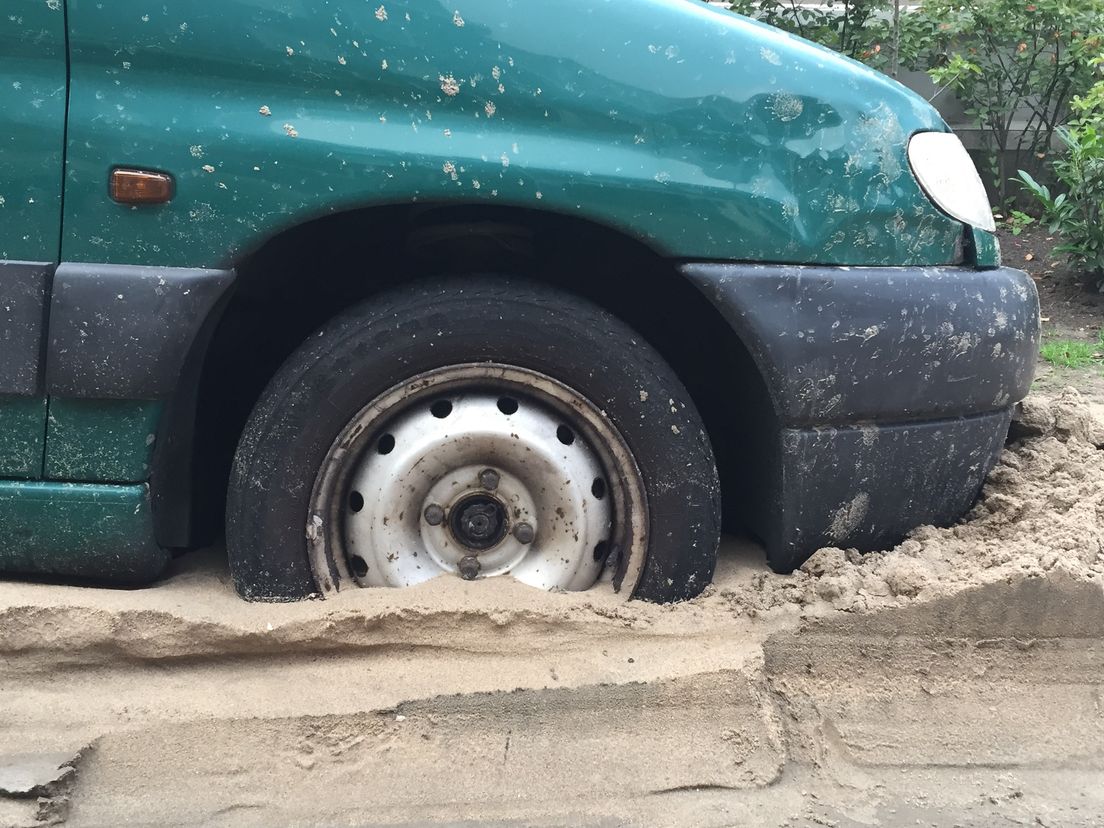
pixel 125 331
pixel 840 345
pixel 24 294
pixel 109 331
pixel 891 390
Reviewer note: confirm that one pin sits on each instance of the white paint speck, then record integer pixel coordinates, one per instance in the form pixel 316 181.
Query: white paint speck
pixel 769 55
pixel 787 107
pixel 449 85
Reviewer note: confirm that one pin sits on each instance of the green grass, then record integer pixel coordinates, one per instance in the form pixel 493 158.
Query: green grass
pixel 1072 353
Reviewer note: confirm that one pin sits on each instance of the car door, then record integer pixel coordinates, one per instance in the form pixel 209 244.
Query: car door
pixel 32 107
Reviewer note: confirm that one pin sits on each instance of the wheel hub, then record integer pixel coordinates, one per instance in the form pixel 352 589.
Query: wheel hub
pixel 478 521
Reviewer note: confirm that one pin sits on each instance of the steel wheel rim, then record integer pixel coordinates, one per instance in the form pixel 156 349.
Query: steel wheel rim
pixel 578 493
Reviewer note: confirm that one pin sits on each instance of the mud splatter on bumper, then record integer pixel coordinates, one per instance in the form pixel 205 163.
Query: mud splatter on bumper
pixel 890 388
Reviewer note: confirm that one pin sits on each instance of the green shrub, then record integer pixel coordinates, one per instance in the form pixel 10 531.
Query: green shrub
pixel 1018 221
pixel 1077 214
pixel 1007 59
pixel 843 25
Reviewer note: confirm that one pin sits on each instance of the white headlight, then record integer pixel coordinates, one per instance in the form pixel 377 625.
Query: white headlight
pixel 949 178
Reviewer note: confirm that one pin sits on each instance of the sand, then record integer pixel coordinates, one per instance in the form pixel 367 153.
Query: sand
pixel 1041 510
pixel 954 679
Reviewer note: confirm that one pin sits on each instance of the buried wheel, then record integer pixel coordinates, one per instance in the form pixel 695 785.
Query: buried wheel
pixel 477 429
pixel 477 470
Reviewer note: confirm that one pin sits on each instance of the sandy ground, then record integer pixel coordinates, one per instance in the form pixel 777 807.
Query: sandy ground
pixel 956 679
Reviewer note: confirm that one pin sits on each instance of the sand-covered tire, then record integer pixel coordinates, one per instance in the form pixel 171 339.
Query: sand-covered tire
pixel 568 454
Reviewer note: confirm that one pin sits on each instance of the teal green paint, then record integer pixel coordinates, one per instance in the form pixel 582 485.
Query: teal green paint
pixel 21 436
pixel 100 440
pixel 32 103
pixel 987 247
pixel 84 530
pixel 699 131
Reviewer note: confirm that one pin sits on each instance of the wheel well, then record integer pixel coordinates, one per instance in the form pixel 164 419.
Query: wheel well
pixel 299 279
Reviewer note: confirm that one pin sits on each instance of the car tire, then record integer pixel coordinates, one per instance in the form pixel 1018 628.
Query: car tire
pixel 317 426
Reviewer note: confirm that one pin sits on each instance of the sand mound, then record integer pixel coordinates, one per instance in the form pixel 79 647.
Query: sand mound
pixel 1041 510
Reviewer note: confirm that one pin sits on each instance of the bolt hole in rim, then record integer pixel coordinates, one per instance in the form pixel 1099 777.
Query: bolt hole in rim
pixel 598 488
pixel 505 472
pixel 601 549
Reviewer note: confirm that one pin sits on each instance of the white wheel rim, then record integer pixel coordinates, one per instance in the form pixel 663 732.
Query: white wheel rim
pixel 392 503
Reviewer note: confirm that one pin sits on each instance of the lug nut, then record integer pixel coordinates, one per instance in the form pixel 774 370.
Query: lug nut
pixel 524 533
pixel 488 479
pixel 434 514
pixel 469 567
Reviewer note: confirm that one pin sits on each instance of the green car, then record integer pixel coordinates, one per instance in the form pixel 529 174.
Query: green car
pixel 398 289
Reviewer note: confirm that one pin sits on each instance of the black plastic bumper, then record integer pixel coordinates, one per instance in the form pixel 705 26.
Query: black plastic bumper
pixel 890 393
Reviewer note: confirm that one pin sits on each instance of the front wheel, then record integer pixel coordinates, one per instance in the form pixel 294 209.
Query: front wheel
pixel 474 429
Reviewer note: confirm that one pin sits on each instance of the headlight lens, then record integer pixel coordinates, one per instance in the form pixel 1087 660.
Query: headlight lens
pixel 949 178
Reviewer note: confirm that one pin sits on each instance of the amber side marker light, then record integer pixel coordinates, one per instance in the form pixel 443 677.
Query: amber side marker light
pixel 140 186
